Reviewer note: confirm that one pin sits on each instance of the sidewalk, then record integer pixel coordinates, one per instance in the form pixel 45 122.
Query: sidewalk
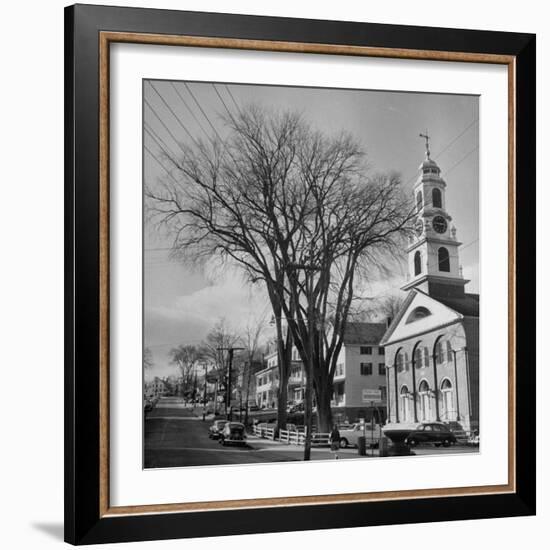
pixel 317 453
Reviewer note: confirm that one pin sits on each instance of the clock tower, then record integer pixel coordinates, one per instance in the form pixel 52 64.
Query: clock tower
pixel 433 262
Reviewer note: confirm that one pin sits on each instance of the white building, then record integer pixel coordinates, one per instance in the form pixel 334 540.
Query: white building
pixel 432 345
pixel 360 368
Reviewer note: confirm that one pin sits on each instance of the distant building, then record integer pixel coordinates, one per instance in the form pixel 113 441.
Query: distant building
pixel 432 345
pixel 359 370
pixel 155 388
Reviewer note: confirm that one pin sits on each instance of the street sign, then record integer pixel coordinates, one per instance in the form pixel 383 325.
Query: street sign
pixel 371 395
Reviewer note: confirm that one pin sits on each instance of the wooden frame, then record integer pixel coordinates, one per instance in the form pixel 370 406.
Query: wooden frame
pixel 89 518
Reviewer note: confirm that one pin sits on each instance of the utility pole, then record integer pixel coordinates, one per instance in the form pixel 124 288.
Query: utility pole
pixel 230 351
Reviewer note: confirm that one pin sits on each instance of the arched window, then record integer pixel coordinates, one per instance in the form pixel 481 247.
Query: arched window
pixel 443 259
pixel 449 352
pixel 424 386
pixel 425 407
pixel 448 413
pixel 418 357
pixel 405 412
pixel 417 263
pixel 418 313
pixel 436 198
pixel 399 361
pixel 426 357
pixel 419 201
pixel 438 351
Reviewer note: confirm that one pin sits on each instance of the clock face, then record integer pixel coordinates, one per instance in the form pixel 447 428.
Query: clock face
pixel 419 227
pixel 439 224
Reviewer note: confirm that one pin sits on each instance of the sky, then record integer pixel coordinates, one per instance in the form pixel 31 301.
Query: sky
pixel 182 303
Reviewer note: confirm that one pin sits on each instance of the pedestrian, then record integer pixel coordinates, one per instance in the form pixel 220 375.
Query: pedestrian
pixel 335 441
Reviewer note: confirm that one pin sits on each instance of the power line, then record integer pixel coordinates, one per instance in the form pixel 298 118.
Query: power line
pixel 202 110
pixel 231 95
pixel 174 114
pixel 452 142
pixel 168 155
pixel 192 113
pixel 160 163
pixel 223 102
pixel 163 124
pixel 457 137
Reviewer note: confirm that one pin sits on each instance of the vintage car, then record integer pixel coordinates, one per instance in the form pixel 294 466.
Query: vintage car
pixel 216 428
pixel 233 433
pixel 434 433
pixel 349 436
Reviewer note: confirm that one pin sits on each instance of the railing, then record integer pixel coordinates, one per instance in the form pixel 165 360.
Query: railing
pixel 291 437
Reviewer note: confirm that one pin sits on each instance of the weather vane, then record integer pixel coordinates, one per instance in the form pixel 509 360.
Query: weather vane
pixel 427 138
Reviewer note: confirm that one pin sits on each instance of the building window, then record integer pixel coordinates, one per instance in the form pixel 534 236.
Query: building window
pixel 443 259
pixel 418 358
pixel 439 357
pixel 383 392
pixel 417 313
pixel 381 369
pixel 417 263
pixel 449 352
pixel 366 369
pixel 426 357
pixel 381 351
pixel 365 350
pixel 436 198
pixel 419 201
pixel 339 369
pixel 399 363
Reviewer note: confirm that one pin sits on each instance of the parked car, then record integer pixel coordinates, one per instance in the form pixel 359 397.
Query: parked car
pixel 233 433
pixel 349 436
pixel 148 406
pixel 433 432
pixel 216 428
pixel 253 408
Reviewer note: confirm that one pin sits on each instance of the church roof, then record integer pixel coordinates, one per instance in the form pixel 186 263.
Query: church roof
pixel 465 305
pixel 364 333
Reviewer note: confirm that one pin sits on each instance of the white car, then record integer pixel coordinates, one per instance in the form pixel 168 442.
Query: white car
pixel 349 436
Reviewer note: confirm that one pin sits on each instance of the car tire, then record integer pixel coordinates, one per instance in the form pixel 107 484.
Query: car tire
pixel 412 442
pixel 438 444
pixel 446 443
pixel 343 443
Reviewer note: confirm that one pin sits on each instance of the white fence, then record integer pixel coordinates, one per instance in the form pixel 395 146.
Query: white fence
pixel 292 437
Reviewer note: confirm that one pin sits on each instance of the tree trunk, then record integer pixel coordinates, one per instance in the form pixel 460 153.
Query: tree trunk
pixel 324 412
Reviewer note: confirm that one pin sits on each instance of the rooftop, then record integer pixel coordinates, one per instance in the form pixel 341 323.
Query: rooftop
pixel 364 333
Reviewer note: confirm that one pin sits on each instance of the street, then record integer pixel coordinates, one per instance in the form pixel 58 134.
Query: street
pixel 175 436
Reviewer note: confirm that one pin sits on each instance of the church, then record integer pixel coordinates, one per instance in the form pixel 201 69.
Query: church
pixel 432 343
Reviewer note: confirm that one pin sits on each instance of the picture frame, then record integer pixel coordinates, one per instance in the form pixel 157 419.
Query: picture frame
pixel 90 31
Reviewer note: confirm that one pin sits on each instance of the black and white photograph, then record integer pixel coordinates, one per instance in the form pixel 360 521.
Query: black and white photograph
pixel 311 274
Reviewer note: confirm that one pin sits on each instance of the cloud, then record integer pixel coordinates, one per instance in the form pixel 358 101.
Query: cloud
pixel 189 317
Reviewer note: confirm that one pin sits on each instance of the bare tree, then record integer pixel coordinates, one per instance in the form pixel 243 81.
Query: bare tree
pixel 389 306
pixel 250 338
pixel 300 213
pixel 186 359
pixel 147 359
pixel 219 339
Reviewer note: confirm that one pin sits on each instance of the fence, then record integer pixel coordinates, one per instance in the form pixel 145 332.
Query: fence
pixel 291 437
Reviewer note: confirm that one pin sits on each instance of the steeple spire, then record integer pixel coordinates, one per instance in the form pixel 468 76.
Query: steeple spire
pixel 427 138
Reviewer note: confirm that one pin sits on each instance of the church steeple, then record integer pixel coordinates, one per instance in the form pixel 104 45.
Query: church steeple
pixel 433 252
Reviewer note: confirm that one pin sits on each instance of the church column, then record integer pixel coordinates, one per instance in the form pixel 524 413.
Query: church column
pixel 414 392
pixel 434 358
pixel 396 394
pixel 456 387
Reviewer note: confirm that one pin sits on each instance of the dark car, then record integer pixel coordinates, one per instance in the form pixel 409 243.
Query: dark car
pixel 148 406
pixel 432 432
pixel 216 429
pixel 233 433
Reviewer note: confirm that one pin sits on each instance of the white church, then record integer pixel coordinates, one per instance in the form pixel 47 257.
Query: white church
pixel 432 344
